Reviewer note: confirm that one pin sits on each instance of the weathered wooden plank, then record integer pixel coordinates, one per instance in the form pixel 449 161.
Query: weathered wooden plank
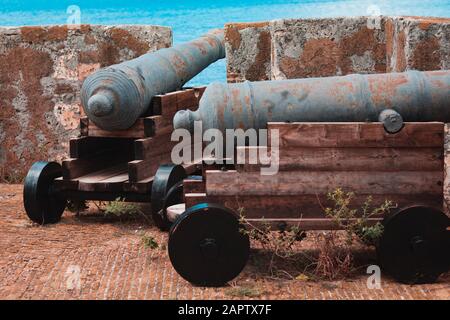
pixel 64 184
pixel 142 169
pixel 154 124
pixel 321 182
pixel 305 222
pixel 73 168
pixel 302 224
pixel 306 206
pixel 345 159
pixel 358 134
pixel 136 131
pixel 153 146
pixel 167 104
pixel 145 185
pixel 104 173
pixel 108 179
pixel 90 146
pixel 141 186
pixel 193 186
pixel 192 199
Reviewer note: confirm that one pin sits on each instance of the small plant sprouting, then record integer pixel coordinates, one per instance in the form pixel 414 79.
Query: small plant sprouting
pixel 243 292
pixel 149 242
pixel 120 208
pixel 357 222
pixel 280 243
pixel 334 258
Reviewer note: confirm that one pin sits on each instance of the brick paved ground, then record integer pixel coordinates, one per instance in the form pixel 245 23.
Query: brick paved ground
pixel 38 263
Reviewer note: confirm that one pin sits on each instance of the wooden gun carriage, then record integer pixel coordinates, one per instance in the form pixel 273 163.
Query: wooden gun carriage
pixel 106 165
pixel 199 202
pixel 206 246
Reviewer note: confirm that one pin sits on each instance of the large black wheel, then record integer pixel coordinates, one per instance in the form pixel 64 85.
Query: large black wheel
pixel 415 245
pixel 207 246
pixel 167 176
pixel 42 204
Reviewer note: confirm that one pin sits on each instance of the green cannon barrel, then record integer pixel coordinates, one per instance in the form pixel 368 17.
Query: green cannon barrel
pixel 408 96
pixel 114 97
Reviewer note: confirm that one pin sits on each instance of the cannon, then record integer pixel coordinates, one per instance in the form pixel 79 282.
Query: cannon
pixel 375 135
pixel 407 96
pixel 114 97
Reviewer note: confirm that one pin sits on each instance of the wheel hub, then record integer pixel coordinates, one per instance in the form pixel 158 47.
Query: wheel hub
pixel 209 248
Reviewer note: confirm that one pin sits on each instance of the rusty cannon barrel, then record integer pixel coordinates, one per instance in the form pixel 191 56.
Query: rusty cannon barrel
pixel 391 98
pixel 114 97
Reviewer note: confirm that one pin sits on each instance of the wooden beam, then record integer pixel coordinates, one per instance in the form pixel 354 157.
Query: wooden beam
pixel 321 182
pixel 302 224
pixel 143 169
pixel 193 186
pixel 108 179
pixel 306 206
pixel 358 134
pixel 154 146
pixel 90 146
pixel 168 104
pixel 346 159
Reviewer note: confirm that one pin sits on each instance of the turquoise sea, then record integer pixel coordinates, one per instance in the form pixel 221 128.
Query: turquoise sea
pixel 191 18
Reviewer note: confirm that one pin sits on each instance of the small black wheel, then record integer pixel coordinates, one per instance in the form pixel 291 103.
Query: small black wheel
pixel 42 204
pixel 414 245
pixel 167 176
pixel 207 246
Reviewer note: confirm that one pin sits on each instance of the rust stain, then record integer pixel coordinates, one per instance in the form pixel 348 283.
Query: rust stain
pixel 401 56
pixel 426 55
pixel 200 46
pixel 124 39
pixel 62 88
pixel 57 33
pixel 381 90
pixel 425 22
pixel 41 34
pixel 211 42
pixel 233 37
pixel 88 57
pixel 109 54
pixel 89 39
pixel 357 44
pixel 85 28
pixel 26 67
pixel 319 58
pixel 257 70
pixel 389 32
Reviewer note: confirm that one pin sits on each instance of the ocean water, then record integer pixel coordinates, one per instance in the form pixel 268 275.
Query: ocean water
pixel 191 18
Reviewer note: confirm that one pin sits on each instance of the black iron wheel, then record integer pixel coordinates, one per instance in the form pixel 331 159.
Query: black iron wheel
pixel 207 246
pixel 165 178
pixel 414 247
pixel 42 204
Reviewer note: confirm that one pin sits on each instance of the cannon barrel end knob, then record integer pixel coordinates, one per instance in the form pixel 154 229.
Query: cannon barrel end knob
pixel 184 119
pixel 101 104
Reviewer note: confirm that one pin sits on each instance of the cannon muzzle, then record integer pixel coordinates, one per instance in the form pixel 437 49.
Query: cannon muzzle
pixel 410 96
pixel 114 97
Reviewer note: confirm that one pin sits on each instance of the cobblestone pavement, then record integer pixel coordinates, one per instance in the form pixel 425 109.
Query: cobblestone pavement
pixel 42 262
